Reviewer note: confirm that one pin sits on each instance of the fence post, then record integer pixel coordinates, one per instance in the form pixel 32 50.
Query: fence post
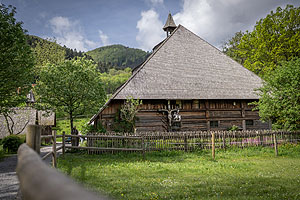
pixel 213 144
pixel 143 146
pixel 33 137
pixel 224 140
pixel 275 145
pixel 185 143
pixel 63 143
pixel 54 149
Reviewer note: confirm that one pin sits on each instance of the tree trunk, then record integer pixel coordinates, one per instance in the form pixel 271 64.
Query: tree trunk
pixel 71 121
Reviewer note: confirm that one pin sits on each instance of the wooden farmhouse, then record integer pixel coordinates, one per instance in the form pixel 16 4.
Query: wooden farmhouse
pixel 187 84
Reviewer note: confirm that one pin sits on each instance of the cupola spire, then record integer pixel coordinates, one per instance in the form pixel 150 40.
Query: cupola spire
pixel 170 25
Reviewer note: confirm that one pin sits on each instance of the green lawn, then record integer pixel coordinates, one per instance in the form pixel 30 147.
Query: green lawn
pixel 252 173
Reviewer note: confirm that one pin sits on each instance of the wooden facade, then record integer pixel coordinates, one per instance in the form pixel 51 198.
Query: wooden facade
pixel 195 115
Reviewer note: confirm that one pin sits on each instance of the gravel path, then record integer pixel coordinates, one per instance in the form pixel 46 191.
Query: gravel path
pixel 9 183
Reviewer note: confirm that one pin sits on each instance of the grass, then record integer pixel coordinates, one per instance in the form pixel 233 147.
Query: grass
pixel 252 173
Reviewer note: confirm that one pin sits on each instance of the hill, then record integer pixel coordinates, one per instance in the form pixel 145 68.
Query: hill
pixel 32 40
pixel 117 56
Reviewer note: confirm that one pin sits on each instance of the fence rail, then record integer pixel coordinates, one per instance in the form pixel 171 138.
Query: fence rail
pixel 38 181
pixel 188 141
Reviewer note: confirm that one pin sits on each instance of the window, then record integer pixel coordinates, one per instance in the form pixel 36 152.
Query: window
pixel 249 123
pixel 214 124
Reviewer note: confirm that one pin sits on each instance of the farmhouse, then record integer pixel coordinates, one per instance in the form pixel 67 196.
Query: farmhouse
pixel 186 84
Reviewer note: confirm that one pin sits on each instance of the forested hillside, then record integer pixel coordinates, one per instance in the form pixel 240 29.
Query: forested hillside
pixel 117 56
pixel 33 40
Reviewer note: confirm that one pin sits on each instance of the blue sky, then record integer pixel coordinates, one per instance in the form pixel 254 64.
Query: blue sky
pixel 86 25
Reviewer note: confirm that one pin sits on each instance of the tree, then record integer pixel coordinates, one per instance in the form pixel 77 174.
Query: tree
pixel 114 79
pixel 125 119
pixel 275 38
pixel 72 87
pixel 47 51
pixel 231 49
pixel 16 62
pixel 280 96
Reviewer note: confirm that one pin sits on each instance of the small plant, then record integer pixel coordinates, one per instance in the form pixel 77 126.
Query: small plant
pixel 11 143
pixel 92 129
pixel 126 116
pixel 233 128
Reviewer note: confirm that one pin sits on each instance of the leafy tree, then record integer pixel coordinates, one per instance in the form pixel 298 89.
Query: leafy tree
pixel 280 96
pixel 72 87
pixel 231 47
pixel 125 119
pixel 275 38
pixel 114 79
pixel 48 51
pixel 16 61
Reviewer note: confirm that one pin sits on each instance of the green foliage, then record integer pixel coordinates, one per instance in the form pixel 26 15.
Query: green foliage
pixel 73 87
pixel 126 116
pixel 248 173
pixel 280 96
pixel 121 126
pixel 33 40
pixel 130 109
pixel 114 79
pixel 231 48
pixel 11 143
pixel 117 56
pixel 233 128
pixel 48 51
pixel 16 61
pixel 92 129
pixel 275 38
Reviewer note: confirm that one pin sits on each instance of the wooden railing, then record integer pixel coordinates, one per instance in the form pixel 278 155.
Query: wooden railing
pixel 33 140
pixel 40 182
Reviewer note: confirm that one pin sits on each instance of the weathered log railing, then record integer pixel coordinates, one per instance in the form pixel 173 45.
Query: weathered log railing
pixel 33 140
pixel 40 182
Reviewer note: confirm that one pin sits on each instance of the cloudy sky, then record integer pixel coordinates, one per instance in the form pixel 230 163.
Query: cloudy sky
pixel 86 25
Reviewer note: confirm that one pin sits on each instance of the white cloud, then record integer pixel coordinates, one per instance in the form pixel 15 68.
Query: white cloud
pixel 104 38
pixel 218 20
pixel 150 30
pixel 69 33
pixel 156 2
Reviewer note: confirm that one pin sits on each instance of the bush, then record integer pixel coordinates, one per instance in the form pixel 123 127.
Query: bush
pixel 11 143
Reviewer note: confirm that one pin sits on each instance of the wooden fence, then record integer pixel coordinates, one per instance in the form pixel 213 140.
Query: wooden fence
pixel 187 141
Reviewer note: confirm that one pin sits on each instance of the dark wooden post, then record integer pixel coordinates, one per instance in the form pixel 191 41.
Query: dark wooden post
pixel 33 137
pixel 213 145
pixel 275 144
pixel 54 164
pixel 143 147
pixel 185 143
pixel 63 143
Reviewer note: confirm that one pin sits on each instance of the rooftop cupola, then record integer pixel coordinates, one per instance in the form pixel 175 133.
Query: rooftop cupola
pixel 170 25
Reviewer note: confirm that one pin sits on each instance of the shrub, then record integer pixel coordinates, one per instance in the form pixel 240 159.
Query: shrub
pixel 233 128
pixel 11 143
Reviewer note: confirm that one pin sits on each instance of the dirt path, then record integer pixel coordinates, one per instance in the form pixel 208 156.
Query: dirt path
pixel 9 183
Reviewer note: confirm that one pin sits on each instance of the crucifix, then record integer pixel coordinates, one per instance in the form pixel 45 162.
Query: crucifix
pixel 169 112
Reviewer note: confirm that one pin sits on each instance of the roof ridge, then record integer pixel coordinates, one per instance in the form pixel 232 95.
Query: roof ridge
pixel 133 75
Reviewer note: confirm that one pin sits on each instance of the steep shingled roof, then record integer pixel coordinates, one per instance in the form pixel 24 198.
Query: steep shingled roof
pixel 185 66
